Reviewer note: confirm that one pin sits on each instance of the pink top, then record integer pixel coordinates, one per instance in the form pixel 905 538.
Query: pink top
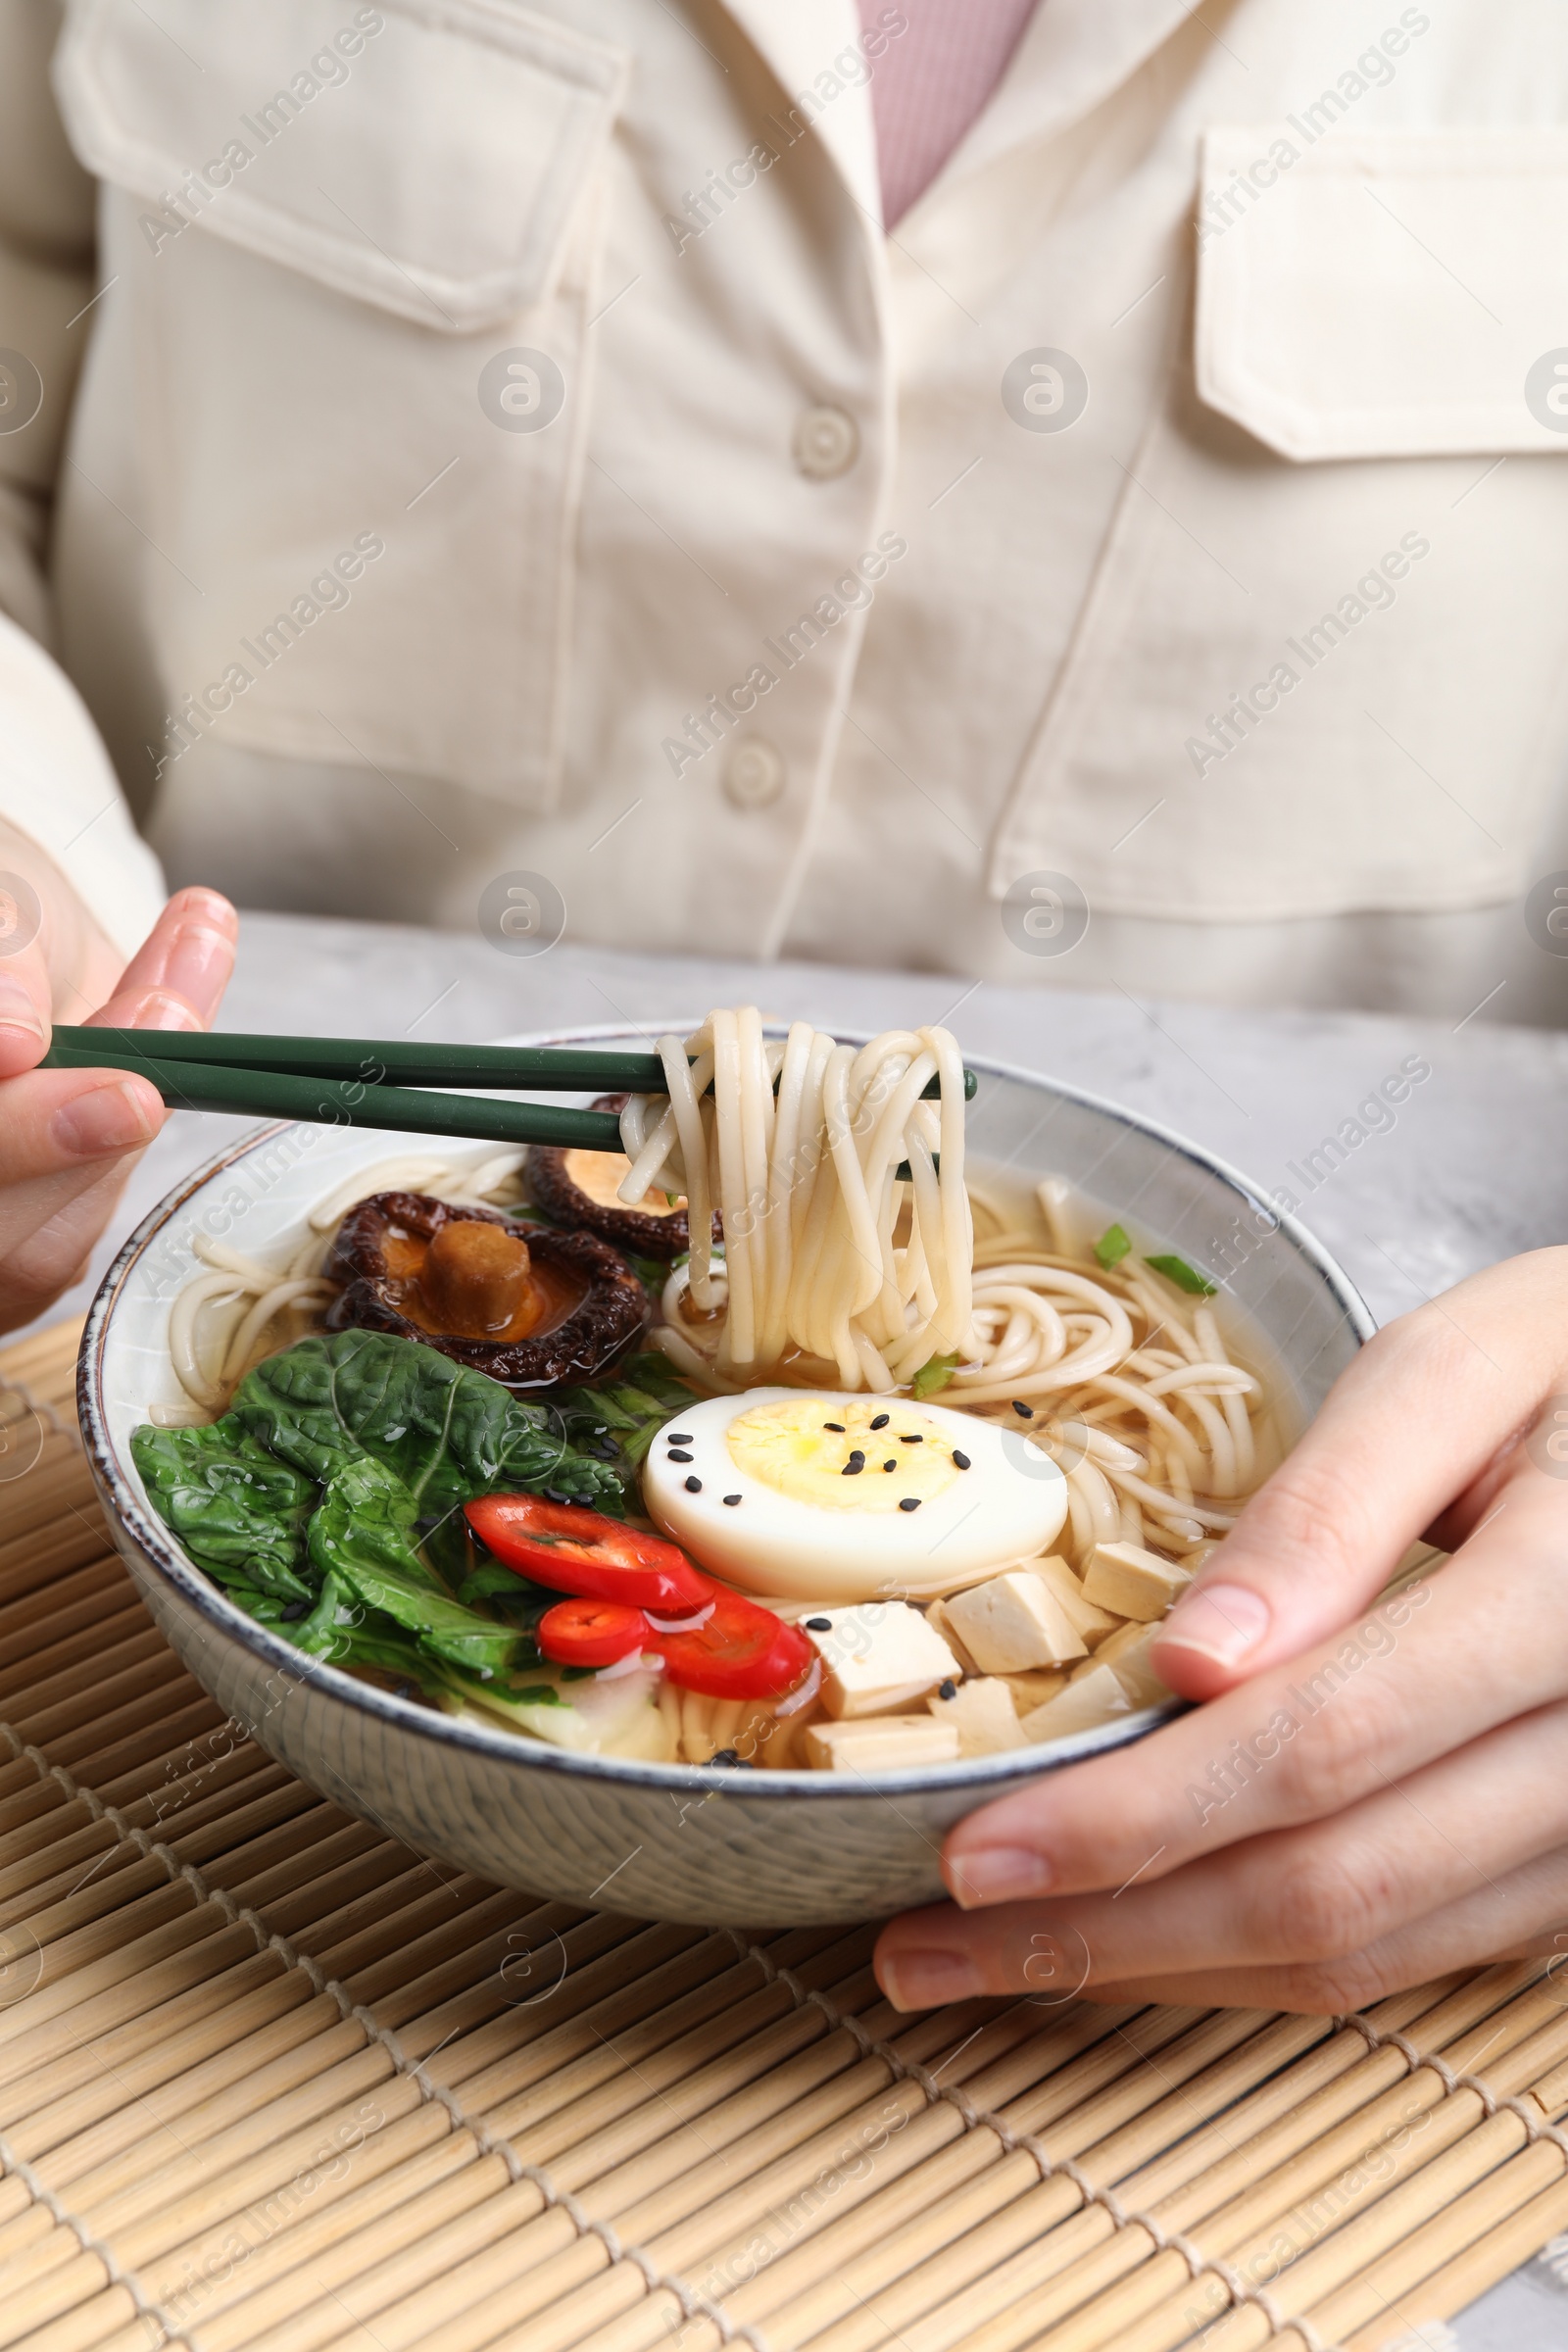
pixel 931 81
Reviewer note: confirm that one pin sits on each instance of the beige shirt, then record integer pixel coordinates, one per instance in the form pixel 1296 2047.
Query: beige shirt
pixel 513 480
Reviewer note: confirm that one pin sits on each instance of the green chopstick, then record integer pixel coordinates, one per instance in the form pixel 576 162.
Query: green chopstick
pixel 271 1094
pixel 361 1061
pixel 334 1103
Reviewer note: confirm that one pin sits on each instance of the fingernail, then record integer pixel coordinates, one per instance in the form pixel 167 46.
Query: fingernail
pixel 19 1011
pixel 198 962
pixel 1222 1620
pixel 997 1874
pixel 208 907
pixel 917 1979
pixel 157 1009
pixel 112 1118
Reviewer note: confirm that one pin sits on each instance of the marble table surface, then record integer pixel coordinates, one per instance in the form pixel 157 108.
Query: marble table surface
pixel 1472 1167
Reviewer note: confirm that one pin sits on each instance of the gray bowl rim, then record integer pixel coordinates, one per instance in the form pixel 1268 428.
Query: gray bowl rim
pixel 160 1552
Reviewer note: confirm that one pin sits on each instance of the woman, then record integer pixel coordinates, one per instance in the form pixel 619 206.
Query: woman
pixel 1068 495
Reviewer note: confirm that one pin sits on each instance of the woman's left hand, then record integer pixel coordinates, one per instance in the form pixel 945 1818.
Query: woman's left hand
pixel 1377 1793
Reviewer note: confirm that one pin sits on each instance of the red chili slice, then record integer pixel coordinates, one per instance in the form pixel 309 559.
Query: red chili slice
pixel 574 1550
pixel 734 1649
pixel 592 1633
pixel 739 1651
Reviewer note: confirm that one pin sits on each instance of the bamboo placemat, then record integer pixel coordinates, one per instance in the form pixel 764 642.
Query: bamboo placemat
pixel 271 2082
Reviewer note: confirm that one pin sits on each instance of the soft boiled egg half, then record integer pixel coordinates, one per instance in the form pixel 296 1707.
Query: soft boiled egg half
pixel 808 1496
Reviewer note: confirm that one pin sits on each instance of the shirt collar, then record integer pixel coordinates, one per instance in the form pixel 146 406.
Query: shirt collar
pixel 799 41
pixel 1073 54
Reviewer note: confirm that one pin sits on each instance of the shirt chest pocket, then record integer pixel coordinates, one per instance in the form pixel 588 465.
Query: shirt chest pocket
pixel 350 255
pixel 1319 666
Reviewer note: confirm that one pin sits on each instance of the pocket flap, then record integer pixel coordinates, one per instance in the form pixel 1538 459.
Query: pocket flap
pixel 425 155
pixel 1392 293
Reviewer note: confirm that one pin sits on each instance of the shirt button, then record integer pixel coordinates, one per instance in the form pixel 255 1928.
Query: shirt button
pixel 754 772
pixel 826 443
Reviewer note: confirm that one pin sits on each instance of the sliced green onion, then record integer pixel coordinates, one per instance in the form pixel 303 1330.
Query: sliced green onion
pixel 1184 1276
pixel 1113 1246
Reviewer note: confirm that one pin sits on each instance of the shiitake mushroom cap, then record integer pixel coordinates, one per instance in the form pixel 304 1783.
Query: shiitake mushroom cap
pixel 610 1316
pixel 553 1190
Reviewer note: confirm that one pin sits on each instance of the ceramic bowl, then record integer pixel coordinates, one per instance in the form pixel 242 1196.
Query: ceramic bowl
pixel 656 1840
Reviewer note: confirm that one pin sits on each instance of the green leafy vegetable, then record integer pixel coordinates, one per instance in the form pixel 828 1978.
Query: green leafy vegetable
pixel 365 1520
pixel 452 1551
pixel 328 1502
pixel 388 1650
pixel 1113 1246
pixel 266 1606
pixel 239 1514
pixel 514 1600
pixel 1184 1276
pixel 651 1272
pixel 444 1627
pixel 317 1632
pixel 360 1537
pixel 350 1635
pixel 934 1374
pixel 447 1432
pixel 619 1420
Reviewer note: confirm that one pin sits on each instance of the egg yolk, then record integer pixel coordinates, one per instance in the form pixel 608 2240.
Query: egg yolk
pixel 831 1456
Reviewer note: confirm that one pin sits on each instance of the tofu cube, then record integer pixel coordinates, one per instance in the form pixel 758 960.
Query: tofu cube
pixel 1087 1701
pixel 1082 1615
pixel 1013 1622
pixel 1132 1581
pixel 1123 1637
pixel 1031 1691
pixel 877 1657
pixel 985 1715
pixel 881 1743
pixel 1126 1653
pixel 937 1616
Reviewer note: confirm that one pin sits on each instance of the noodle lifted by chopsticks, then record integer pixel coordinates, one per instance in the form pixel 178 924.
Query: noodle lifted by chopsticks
pixel 796 1147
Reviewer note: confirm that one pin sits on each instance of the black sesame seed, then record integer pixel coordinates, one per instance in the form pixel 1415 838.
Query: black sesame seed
pixel 853 1466
pixel 819 1624
pixel 835 1426
pixel 293 1610
pixel 890 1465
pixel 724 1755
pixel 911 1440
pixel 678 1437
pixel 947 1690
pixel 732 1498
pixel 1025 1412
pixel 693 1485
pixel 961 1461
pixel 881 1420
pixel 910 1503
pixel 678 1457
pixel 557 1494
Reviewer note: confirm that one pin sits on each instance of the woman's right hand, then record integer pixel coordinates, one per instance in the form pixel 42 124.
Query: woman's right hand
pixel 70 1138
